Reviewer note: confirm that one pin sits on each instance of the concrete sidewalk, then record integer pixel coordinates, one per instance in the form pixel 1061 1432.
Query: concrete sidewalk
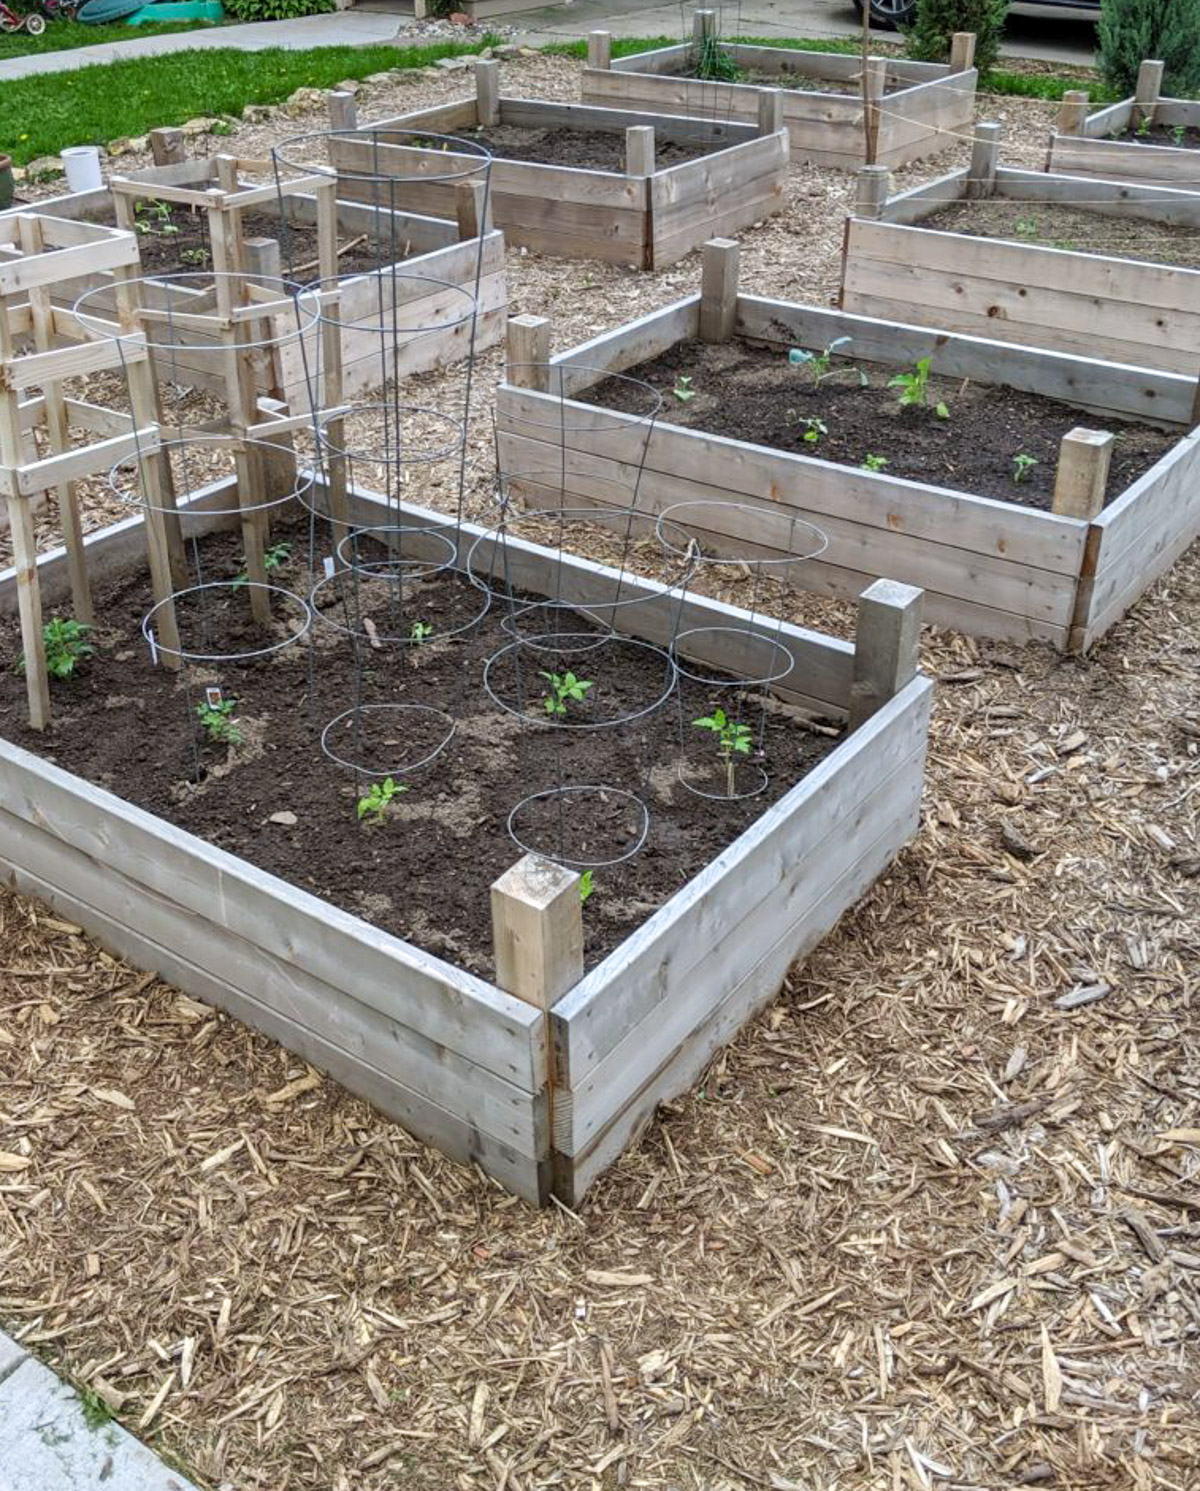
pixel 48 1442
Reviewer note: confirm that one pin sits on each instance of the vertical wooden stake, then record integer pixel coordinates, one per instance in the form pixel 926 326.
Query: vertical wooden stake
pixel 167 147
pixel 537 931
pixel 1081 480
pixel 343 110
pixel 639 150
pixel 887 646
pixel 1149 91
pixel 472 208
pixel 770 110
pixel 871 191
pixel 264 259
pixel 599 49
pixel 719 289
pixel 1196 406
pixel 704 25
pixel 985 157
pixel 962 51
pixel 874 82
pixel 1072 112
pixel 528 352
pixel 487 93
pixel 332 371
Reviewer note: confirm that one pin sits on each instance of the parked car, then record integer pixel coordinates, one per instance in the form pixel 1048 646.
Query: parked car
pixel 901 12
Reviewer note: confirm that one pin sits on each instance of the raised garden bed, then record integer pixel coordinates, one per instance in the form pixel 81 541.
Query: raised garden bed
pixel 1041 287
pixel 945 510
pixel 541 1072
pixel 921 107
pixel 1148 139
pixel 629 208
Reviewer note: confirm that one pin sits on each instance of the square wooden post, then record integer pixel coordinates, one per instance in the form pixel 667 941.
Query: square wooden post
pixel 887 646
pixel 962 51
pixel 719 290
pixel 472 208
pixel 1149 91
pixel 599 49
pixel 985 157
pixel 770 110
pixel 1081 479
pixel 639 150
pixel 1072 112
pixel 537 930
pixel 871 190
pixel 167 147
pixel 704 26
pixel 874 84
pixel 343 110
pixel 527 363
pixel 487 93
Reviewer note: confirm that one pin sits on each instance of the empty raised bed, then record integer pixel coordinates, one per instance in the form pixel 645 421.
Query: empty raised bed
pixel 1004 253
pixel 1147 138
pixel 1005 511
pixel 240 873
pixel 628 186
pixel 912 109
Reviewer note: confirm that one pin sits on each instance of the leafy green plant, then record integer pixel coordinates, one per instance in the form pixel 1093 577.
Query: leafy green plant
pixel 421 631
pixel 714 63
pixel 217 720
pixel 1179 134
pixel 683 389
pixel 1145 124
pixel 193 256
pixel 819 363
pixel 733 740
pixel 276 10
pixel 273 559
pixel 914 388
pixel 65 644
pixel 929 37
pixel 153 219
pixel 375 803
pixel 1027 227
pixel 564 688
pixel 874 463
pixel 587 885
pixel 1022 466
pixel 223 127
pixel 1132 30
pixel 814 428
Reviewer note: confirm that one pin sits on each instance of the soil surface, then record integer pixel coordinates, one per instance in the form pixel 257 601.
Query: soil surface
pixel 424 873
pixel 1185 137
pixel 751 392
pixel 796 82
pixel 589 149
pixel 1046 225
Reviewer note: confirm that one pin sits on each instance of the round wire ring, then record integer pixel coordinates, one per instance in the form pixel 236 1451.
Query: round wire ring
pixel 787 660
pixel 548 723
pixel 371 458
pixel 572 862
pixel 392 137
pixel 327 291
pixel 107 330
pixel 225 657
pixel 405 768
pixel 621 421
pixel 392 567
pixel 763 782
pixel 304 479
pixel 407 640
pixel 677 516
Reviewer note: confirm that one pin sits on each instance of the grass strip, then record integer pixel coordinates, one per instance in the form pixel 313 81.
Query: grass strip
pixel 66 36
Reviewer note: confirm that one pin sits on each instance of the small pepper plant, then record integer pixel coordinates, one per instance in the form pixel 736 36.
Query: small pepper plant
pixel 65 644
pixel 564 689
pixel 377 801
pixel 216 716
pixel 733 738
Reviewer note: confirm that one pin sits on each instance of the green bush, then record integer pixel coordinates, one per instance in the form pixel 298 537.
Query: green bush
pixel 928 38
pixel 276 10
pixel 1133 31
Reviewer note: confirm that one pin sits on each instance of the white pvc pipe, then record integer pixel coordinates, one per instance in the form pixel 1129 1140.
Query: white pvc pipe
pixel 82 164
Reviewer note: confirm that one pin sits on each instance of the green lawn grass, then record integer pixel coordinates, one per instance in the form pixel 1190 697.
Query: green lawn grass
pixel 92 105
pixel 65 36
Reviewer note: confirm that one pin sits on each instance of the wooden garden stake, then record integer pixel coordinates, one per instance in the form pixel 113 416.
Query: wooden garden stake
pixel 887 646
pixel 871 190
pixel 1072 113
pixel 529 352
pixel 962 51
pixel 537 930
pixel 874 81
pixel 1081 480
pixel 985 157
pixel 770 110
pixel 1148 92
pixel 719 289
pixel 704 25
pixel 343 110
pixel 332 372
pixel 472 208
pixel 639 150
pixel 264 259
pixel 599 49
pixel 487 93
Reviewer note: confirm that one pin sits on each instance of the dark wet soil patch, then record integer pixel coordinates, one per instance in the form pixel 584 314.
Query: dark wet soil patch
pixel 590 149
pixel 751 392
pixel 1180 137
pixel 1046 225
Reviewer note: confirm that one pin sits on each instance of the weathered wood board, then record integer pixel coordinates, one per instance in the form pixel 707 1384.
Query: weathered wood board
pixel 1150 162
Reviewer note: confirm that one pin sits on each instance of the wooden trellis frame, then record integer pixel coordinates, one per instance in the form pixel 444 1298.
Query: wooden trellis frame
pixel 1080 145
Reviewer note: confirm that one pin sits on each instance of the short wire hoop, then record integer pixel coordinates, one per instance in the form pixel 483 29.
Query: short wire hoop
pixel 393 415
pixel 237 587
pixel 557 800
pixel 301 487
pixel 305 310
pixel 354 718
pixel 568 644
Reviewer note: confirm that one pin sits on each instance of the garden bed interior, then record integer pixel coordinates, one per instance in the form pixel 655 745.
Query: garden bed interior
pixel 191 872
pixel 581 186
pixel 927 105
pixel 1148 138
pixel 945 511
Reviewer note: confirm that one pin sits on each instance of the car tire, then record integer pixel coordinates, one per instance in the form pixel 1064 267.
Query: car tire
pixel 890 13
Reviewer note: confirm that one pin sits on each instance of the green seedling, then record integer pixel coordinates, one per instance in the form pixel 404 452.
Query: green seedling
pixel 217 722
pixel 1179 134
pixel 65 645
pixel 1022 466
pixel 814 428
pixel 820 364
pixel 274 559
pixel 564 688
pixel 153 219
pixel 683 389
pixel 733 740
pixel 586 886
pixel 1027 227
pixel 193 256
pixel 914 388
pixel 376 802
pixel 1144 125
pixel 874 463
pixel 421 631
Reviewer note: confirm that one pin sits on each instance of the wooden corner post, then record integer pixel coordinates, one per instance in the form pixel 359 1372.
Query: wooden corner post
pixel 704 26
pixel 962 51
pixel 1149 91
pixel 1072 112
pixel 167 147
pixel 871 190
pixel 1081 480
pixel 537 930
pixel 472 208
pixel 887 646
pixel 639 150
pixel 343 110
pixel 599 49
pixel 719 290
pixel 527 361
pixel 487 93
pixel 770 111
pixel 985 158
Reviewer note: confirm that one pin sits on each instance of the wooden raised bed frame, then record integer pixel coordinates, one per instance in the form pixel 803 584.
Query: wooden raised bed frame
pixel 541 1095
pixel 1144 315
pixel 987 567
pixel 1080 146
pixel 928 115
pixel 641 217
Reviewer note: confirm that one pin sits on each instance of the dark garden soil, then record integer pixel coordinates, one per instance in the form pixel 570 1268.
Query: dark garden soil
pixel 797 82
pixel 1185 137
pixel 425 872
pixel 1046 225
pixel 590 149
pixel 751 392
